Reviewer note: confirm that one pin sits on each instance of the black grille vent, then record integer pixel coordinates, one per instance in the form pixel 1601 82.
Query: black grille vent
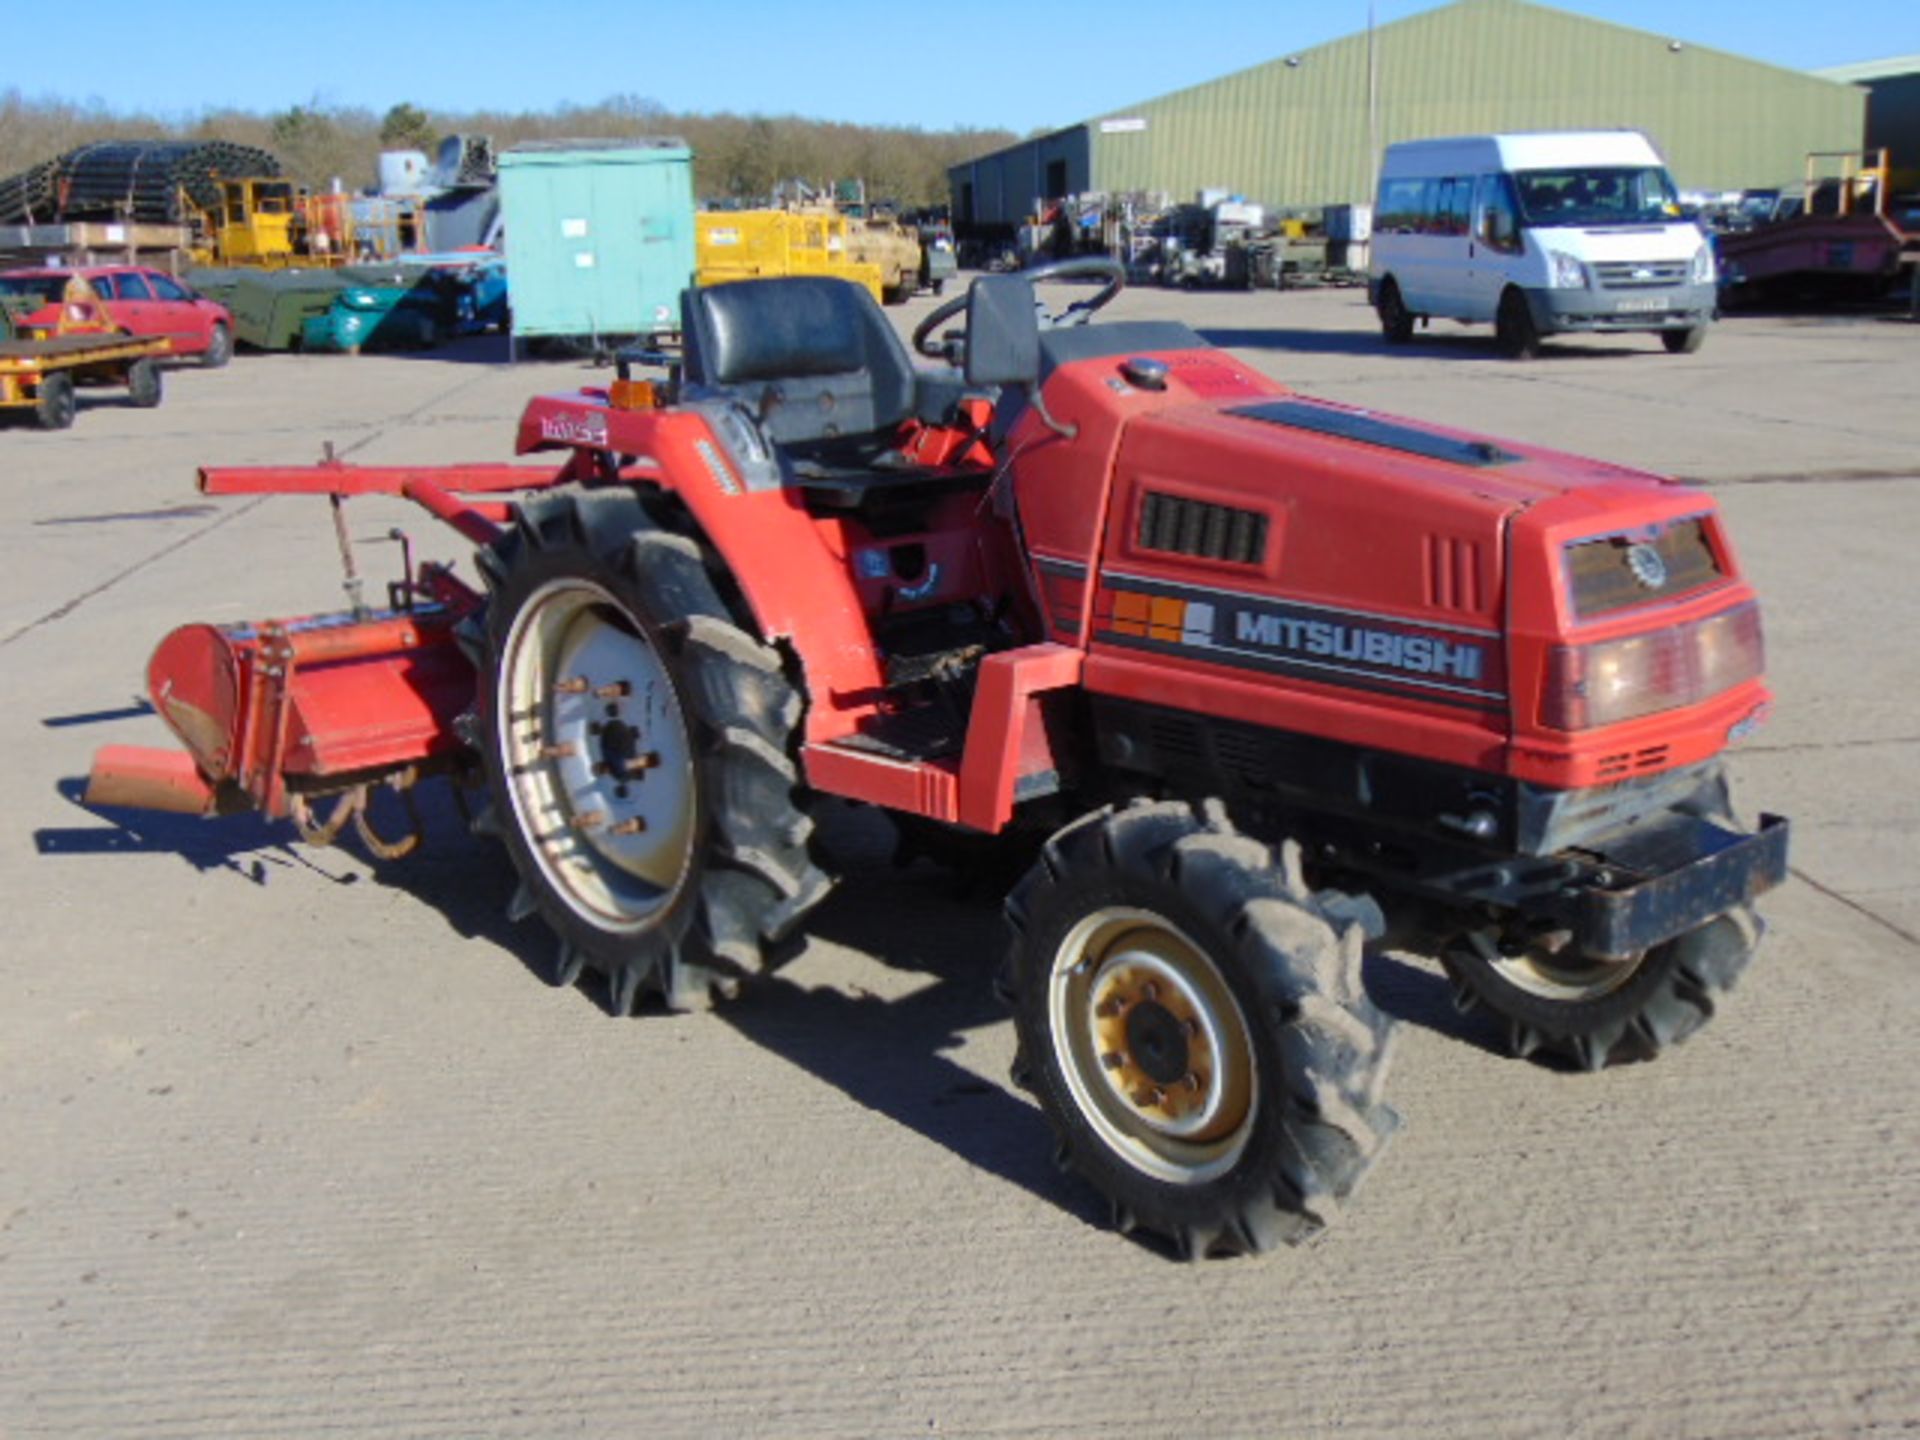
pixel 1180 526
pixel 1605 577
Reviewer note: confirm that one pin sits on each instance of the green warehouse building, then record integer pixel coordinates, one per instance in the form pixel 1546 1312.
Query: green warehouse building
pixel 1303 129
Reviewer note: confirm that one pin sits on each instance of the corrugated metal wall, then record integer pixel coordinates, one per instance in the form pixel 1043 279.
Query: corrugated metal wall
pixel 1294 131
pixel 1007 182
pixel 1893 120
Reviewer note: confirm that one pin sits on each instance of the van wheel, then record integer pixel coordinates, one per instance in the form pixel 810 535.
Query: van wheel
pixel 1513 327
pixel 1396 322
pixel 1684 342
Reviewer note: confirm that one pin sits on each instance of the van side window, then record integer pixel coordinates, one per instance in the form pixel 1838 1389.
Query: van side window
pixel 1453 207
pixel 1404 206
pixel 1499 217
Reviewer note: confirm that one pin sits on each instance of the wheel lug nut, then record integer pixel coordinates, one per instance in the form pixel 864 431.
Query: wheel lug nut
pixel 1113 1059
pixel 640 764
pixel 565 750
pixel 1190 1028
pixel 617 690
pixel 576 685
pixel 1150 1097
pixel 1192 1082
pixel 589 820
pixel 631 826
pixel 1109 1007
pixel 1150 991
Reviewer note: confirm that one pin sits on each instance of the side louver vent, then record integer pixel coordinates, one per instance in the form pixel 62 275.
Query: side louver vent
pixel 1179 526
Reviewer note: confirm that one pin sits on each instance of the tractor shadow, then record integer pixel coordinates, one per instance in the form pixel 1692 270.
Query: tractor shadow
pixel 889 1055
pixel 893 1055
pixel 249 846
pixel 1420 994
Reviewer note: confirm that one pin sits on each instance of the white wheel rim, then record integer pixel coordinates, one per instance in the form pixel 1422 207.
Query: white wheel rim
pixel 1153 1045
pixel 1538 972
pixel 594 746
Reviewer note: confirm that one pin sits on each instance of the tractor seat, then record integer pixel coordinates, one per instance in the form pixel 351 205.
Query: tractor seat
pixel 814 360
pixel 810 356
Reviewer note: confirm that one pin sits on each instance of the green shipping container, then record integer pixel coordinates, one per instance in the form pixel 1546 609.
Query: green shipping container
pixel 599 236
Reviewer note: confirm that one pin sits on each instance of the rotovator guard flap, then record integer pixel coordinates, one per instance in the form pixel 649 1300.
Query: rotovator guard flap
pixel 313 700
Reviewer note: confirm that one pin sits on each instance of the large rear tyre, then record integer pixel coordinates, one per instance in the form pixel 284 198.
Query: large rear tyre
pixel 1684 342
pixel 1192 1023
pixel 637 744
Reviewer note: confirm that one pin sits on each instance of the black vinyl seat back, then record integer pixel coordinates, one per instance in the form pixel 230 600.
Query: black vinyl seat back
pixel 811 356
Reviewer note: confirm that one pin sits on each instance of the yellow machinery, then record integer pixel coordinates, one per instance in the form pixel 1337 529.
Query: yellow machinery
pixel 271 224
pixel 891 246
pixel 753 244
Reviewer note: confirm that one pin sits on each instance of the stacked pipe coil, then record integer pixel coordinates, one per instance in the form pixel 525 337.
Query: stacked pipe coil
pixel 137 181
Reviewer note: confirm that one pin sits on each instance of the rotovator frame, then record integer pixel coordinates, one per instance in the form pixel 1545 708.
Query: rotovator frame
pixel 1259 671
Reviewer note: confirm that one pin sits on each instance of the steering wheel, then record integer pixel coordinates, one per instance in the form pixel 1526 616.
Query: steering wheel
pixel 1077 313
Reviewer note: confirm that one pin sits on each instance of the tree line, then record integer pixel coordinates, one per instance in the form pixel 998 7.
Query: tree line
pixel 737 158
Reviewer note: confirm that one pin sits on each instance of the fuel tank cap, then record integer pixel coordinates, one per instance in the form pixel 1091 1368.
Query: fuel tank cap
pixel 1145 372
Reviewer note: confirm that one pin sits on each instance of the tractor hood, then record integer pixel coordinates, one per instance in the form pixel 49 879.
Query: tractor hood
pixel 1360 509
pixel 1353 446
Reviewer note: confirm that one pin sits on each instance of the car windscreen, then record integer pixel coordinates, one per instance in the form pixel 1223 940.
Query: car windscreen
pixel 1597 195
pixel 46 289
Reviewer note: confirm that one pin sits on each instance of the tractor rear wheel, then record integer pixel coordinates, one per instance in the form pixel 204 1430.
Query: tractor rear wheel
pixel 55 407
pixel 638 743
pixel 1192 1023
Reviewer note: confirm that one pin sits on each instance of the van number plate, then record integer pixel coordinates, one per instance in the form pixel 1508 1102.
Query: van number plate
pixel 1646 302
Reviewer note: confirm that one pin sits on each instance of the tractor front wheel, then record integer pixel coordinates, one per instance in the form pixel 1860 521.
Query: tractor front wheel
pixel 637 743
pixel 1592 1012
pixel 1192 1023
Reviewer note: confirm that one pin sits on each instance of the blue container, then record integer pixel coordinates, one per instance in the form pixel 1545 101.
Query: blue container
pixel 599 236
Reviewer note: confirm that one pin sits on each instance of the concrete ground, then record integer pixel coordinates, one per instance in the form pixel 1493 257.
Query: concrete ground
pixel 292 1144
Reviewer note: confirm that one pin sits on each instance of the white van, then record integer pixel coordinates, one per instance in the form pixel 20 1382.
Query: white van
pixel 1538 234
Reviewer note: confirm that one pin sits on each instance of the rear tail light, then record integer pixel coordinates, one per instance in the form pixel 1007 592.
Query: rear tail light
pixel 1614 680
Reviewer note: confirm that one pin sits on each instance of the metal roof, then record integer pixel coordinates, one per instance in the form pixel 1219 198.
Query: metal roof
pixel 1890 69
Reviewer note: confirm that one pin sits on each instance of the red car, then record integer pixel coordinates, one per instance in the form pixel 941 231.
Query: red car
pixel 138 300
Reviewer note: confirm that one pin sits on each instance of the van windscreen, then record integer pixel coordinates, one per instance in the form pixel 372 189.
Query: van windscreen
pixel 1597 195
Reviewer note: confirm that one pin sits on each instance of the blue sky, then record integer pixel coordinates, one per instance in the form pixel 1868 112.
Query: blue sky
pixel 934 63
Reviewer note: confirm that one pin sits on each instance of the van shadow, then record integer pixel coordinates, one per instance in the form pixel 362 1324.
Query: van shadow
pixel 491 349
pixel 1465 345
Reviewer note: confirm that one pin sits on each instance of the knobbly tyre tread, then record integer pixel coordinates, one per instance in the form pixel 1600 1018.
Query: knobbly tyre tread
pixel 1677 990
pixel 755 876
pixel 1297 978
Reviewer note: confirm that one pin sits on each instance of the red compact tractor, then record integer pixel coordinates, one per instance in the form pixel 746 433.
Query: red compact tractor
pixel 1260 671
